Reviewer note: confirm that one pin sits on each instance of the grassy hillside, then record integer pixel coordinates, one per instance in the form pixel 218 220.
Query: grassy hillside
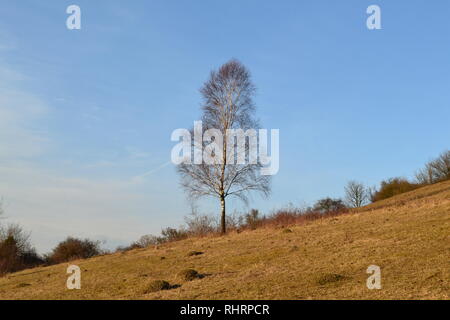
pixel 407 236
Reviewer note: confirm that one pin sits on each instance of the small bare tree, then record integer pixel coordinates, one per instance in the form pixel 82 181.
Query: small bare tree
pixel 356 194
pixel 436 170
pixel 227 105
pixel 425 175
pixel 441 167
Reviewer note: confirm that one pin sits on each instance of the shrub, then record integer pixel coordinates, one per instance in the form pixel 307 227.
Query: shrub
pixel 147 241
pixel 73 248
pixel 167 235
pixel 252 219
pixel 31 258
pixel 327 205
pixel 393 187
pixel 10 256
pixel 292 215
pixel 234 220
pixel 16 252
pixel 200 225
pixel 132 246
pixel 171 234
pixel 144 242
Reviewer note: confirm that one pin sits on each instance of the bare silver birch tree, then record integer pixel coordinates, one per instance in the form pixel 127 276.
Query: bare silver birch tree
pixel 227 104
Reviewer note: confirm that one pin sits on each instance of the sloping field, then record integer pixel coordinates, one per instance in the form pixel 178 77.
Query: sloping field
pixel 408 236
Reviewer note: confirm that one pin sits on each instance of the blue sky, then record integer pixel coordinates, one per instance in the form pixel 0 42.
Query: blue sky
pixel 86 115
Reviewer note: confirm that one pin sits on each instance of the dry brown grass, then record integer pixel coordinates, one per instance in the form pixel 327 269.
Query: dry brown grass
pixel 407 236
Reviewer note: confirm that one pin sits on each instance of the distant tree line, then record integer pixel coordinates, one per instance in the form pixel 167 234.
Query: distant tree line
pixel 436 170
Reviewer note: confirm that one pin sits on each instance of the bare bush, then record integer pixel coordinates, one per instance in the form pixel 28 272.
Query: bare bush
pixel 252 219
pixel 72 249
pixel 145 241
pixel 200 225
pixel 327 205
pixel 148 240
pixel 16 252
pixel 172 234
pixel 234 220
pixel 9 256
pixel 295 216
pixel 425 175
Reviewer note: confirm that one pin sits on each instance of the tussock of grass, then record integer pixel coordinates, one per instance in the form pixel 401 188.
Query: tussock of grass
pixel 189 275
pixel 328 278
pixel 157 285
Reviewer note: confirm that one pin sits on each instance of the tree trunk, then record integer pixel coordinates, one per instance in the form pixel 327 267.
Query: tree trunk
pixel 222 220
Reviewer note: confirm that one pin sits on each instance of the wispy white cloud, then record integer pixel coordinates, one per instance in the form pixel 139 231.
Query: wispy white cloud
pixel 18 111
pixel 141 178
